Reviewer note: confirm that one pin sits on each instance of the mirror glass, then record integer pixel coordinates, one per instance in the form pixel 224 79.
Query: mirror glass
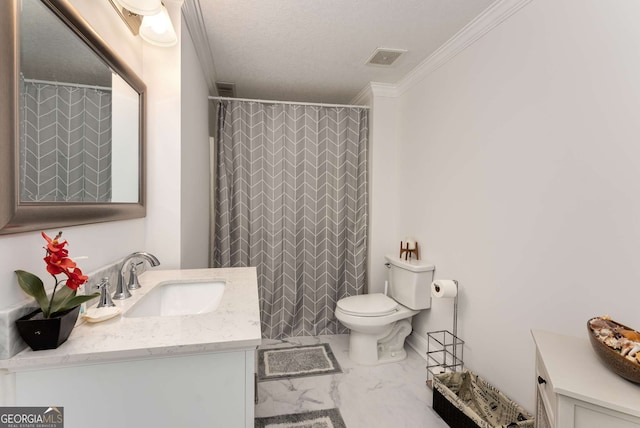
pixel 72 122
pixel 72 110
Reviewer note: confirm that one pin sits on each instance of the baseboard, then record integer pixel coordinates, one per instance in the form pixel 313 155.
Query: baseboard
pixel 418 344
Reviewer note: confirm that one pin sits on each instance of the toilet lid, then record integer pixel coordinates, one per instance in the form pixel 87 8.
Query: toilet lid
pixel 368 305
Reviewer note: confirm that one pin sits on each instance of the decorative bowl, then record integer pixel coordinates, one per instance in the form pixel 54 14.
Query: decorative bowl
pixel 611 357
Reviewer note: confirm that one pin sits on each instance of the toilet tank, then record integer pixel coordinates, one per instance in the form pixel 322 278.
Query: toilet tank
pixel 410 282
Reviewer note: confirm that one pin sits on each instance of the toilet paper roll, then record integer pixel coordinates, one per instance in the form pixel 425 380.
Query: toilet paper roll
pixel 444 288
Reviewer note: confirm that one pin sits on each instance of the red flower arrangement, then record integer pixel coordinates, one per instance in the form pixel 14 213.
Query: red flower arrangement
pixel 58 262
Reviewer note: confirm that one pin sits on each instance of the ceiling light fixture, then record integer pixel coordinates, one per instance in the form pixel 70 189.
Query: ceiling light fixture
pixel 142 7
pixel 154 28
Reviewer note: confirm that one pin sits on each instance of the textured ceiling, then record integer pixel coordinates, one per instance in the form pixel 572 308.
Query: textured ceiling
pixel 50 51
pixel 316 50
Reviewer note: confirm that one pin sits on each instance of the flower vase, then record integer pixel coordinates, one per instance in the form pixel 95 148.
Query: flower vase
pixel 47 333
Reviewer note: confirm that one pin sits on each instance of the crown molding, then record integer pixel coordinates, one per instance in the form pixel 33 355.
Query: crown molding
pixel 195 25
pixel 375 89
pixel 363 97
pixel 384 89
pixel 493 16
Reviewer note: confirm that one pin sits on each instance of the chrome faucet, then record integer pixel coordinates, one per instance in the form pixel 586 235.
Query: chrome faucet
pixel 122 290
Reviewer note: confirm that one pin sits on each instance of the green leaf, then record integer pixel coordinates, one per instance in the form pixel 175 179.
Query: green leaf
pixel 72 302
pixel 33 286
pixel 65 299
pixel 62 293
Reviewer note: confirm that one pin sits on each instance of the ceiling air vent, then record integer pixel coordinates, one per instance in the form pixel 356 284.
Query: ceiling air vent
pixel 384 56
pixel 225 89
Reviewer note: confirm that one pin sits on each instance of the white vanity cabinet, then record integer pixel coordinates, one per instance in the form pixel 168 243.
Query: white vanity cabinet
pixel 202 390
pixel 576 390
pixel 194 370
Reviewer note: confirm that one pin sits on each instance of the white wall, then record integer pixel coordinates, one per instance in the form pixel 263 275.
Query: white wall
pixel 125 131
pixel 383 201
pixel 102 243
pixel 162 76
pixel 195 191
pixel 177 190
pixel 519 172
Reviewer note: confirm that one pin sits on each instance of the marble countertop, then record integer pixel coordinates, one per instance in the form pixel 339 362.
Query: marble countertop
pixel 234 325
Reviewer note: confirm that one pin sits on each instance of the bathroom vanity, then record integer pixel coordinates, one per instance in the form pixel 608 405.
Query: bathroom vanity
pixel 576 390
pixel 192 370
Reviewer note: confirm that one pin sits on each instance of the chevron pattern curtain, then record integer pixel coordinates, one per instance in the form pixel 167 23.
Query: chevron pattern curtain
pixel 65 145
pixel 291 199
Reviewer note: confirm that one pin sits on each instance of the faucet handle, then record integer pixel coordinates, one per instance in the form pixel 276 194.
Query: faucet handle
pixel 105 299
pixel 133 284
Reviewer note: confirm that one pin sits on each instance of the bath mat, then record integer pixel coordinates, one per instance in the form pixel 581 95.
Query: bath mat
pixel 329 418
pixel 297 361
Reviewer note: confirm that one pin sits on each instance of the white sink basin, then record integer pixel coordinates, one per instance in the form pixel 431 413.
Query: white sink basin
pixel 179 298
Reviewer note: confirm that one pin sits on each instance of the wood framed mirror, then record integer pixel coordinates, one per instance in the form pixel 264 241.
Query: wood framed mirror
pixel 72 122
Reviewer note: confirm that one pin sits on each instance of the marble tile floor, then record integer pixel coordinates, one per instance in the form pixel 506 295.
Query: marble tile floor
pixel 392 395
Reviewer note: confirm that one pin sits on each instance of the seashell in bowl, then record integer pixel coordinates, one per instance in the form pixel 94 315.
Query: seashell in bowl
pixel 613 342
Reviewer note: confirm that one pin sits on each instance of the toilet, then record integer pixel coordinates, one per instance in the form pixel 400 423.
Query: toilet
pixel 380 323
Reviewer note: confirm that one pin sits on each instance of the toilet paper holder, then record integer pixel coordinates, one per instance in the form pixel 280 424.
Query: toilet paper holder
pixel 436 288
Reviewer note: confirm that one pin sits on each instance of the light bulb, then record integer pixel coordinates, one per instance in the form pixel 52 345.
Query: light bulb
pixel 158 30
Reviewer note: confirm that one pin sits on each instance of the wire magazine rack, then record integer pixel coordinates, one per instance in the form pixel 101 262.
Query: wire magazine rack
pixel 444 353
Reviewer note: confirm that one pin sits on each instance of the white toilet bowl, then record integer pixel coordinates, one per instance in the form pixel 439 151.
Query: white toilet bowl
pixel 380 323
pixel 379 326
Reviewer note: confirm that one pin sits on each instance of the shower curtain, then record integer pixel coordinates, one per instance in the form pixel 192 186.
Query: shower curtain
pixel 291 199
pixel 65 147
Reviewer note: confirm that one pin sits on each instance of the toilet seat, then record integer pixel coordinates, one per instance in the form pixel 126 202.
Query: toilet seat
pixel 368 305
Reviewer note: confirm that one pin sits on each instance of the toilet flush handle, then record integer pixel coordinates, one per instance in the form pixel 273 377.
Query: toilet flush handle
pixel 386 283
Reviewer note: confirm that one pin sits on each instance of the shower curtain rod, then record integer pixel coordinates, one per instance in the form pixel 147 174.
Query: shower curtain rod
pixel 287 102
pixel 75 85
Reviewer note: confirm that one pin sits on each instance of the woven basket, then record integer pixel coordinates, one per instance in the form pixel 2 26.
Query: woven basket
pixel 465 400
